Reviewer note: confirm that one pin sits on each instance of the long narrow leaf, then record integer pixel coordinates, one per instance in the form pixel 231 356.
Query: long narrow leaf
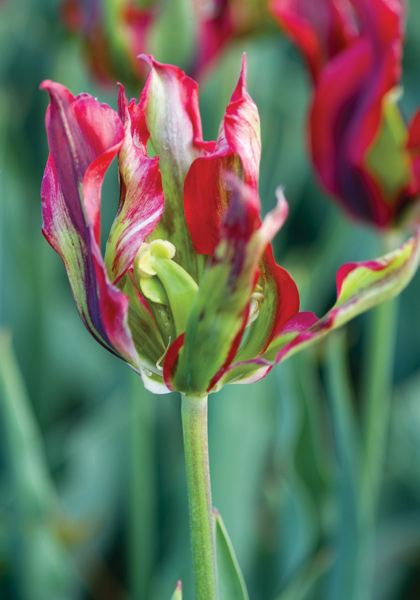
pixel 230 579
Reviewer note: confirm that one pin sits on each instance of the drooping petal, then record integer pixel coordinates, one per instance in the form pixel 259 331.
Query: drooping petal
pixel 360 287
pixel 141 193
pixel 320 29
pixel 170 103
pixel 83 136
pixel 237 151
pixel 220 310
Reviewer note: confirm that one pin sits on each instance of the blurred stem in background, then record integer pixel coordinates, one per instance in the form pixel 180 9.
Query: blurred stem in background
pixel 377 393
pixel 360 450
pixel 40 563
pixel 376 405
pixel 142 500
pixel 346 574
pixel 194 426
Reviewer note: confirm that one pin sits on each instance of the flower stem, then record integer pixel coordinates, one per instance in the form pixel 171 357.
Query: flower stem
pixel 194 426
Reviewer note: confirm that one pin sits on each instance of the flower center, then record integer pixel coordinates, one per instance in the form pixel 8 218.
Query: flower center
pixel 165 283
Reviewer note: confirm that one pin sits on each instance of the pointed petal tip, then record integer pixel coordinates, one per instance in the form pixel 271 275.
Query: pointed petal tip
pixel 242 81
pixel 276 218
pixel 56 90
pixel 45 85
pixel 52 86
pixel 147 58
pixel 282 204
pixel 179 586
pixel 244 68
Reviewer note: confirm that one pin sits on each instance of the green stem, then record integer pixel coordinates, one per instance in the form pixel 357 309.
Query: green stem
pixel 377 394
pixel 194 426
pixel 347 574
pixel 376 416
pixel 141 497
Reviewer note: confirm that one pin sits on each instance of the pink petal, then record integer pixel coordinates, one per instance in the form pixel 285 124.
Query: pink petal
pixel 83 137
pixel 141 193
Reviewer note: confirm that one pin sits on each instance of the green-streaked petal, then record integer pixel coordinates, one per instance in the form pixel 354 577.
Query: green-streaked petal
pixel 360 286
pixel 141 194
pixel 387 159
pixel 83 136
pixel 237 151
pixel 170 102
pixel 220 310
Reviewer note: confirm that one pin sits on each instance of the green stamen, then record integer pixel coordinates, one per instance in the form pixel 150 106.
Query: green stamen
pixel 163 281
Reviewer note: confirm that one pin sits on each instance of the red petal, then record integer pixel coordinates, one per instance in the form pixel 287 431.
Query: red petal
pixel 238 151
pixel 347 110
pixel 321 29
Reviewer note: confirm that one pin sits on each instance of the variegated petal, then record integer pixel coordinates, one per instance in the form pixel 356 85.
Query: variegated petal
pixel 141 193
pixel 83 136
pixel 220 310
pixel 237 151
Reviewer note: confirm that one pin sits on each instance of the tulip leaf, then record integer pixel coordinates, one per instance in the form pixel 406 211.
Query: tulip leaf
pixel 307 577
pixel 230 579
pixel 41 563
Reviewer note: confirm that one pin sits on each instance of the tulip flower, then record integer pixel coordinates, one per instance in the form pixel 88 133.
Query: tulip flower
pixel 187 291
pixel 115 33
pixel 364 153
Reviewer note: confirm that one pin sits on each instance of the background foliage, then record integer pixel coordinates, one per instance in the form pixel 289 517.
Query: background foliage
pixel 93 498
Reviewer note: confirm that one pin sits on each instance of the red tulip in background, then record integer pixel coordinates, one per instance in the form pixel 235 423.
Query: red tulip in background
pixel 364 153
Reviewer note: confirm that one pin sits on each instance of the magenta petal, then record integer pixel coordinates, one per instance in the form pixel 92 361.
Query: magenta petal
pixel 83 137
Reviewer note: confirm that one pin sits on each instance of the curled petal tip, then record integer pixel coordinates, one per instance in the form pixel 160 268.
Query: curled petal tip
pixel 147 58
pixel 281 199
pixel 45 85
pixel 282 208
pixel 51 86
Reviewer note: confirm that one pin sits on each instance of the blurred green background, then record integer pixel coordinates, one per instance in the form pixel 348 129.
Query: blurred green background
pixel 93 502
